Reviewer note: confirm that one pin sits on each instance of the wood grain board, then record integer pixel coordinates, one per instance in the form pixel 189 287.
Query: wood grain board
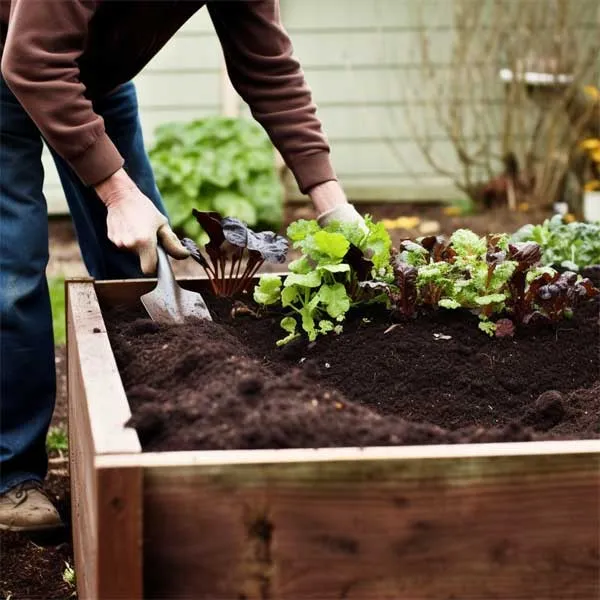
pixel 504 521
pixel 106 503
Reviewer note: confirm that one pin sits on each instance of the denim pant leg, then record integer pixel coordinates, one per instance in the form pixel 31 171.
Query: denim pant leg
pixel 102 258
pixel 27 370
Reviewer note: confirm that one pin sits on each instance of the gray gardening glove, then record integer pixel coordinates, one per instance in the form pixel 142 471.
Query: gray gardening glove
pixel 344 213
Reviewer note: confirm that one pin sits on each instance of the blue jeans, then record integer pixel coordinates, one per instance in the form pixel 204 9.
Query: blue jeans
pixel 27 370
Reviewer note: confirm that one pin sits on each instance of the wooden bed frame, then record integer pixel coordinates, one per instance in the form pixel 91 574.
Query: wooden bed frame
pixel 508 521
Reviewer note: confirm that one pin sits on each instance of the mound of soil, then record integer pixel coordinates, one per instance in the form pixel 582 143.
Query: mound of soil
pixel 437 379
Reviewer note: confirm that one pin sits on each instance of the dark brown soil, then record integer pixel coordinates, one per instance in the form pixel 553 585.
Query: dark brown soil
pixel 225 384
pixel 32 567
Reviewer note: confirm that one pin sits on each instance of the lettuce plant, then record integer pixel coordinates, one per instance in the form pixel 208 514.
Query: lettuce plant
pixel 467 271
pixel 490 277
pixel 324 282
pixel 234 252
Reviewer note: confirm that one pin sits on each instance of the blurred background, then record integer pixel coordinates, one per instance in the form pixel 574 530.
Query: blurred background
pixel 440 114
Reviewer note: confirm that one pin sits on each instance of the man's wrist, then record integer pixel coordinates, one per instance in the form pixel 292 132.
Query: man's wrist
pixel 112 189
pixel 326 196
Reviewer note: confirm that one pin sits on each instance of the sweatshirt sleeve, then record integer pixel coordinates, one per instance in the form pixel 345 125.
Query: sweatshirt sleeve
pixel 39 64
pixel 262 69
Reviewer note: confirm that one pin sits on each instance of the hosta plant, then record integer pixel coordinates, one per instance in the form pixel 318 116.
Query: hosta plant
pixel 220 164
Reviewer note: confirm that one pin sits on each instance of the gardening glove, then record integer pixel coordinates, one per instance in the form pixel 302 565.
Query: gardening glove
pixel 134 222
pixel 345 213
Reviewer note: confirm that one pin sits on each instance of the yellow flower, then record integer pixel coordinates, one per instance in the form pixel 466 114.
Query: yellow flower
pixel 590 144
pixel 401 223
pixel 453 211
pixel 569 218
pixel 592 186
pixel 596 155
pixel 591 91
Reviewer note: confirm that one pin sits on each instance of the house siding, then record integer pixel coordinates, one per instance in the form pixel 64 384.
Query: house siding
pixel 359 58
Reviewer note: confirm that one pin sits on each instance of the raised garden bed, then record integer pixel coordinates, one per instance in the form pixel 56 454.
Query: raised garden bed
pixel 443 519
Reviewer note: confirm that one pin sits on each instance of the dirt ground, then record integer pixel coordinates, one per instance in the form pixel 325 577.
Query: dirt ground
pixel 32 567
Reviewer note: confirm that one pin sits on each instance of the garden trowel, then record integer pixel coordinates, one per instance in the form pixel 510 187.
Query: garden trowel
pixel 170 303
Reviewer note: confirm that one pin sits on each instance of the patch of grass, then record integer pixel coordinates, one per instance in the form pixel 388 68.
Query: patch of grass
pixel 57 440
pixel 57 300
pixel 69 574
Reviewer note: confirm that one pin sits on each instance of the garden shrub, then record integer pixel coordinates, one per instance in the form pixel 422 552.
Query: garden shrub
pixel 217 164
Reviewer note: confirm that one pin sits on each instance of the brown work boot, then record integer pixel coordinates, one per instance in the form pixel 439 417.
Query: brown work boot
pixel 27 508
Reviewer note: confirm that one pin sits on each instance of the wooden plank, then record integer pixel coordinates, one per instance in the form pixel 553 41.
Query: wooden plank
pixel 399 15
pixel 515 521
pixel 126 292
pixel 377 121
pixel 210 458
pixel 359 15
pixel 120 541
pixel 416 523
pixel 101 384
pixel 367 49
pixel 388 191
pixel 106 503
pixel 81 463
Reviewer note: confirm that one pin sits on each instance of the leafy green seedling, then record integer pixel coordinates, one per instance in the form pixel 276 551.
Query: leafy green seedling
pixel 323 284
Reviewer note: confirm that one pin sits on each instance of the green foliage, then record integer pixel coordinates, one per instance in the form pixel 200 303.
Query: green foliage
pixel 69 575
pixel 490 276
pixel 342 266
pixel 470 279
pixel 322 284
pixel 56 286
pixel 217 164
pixel 268 291
pixel 374 243
pixel 569 246
pixel 57 440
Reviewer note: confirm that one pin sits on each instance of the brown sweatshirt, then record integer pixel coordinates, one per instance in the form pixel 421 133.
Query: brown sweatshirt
pixel 59 55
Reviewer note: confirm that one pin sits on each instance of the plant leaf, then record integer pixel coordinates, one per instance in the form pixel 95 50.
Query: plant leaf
pixel 526 254
pixel 448 303
pixel 405 278
pixel 272 247
pixel 335 299
pixel 289 324
pixel 289 295
pixel 490 299
pixel 309 280
pixel 211 223
pixel 268 290
pixel 334 245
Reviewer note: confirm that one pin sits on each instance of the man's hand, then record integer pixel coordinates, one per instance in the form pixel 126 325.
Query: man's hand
pixel 331 204
pixel 133 222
